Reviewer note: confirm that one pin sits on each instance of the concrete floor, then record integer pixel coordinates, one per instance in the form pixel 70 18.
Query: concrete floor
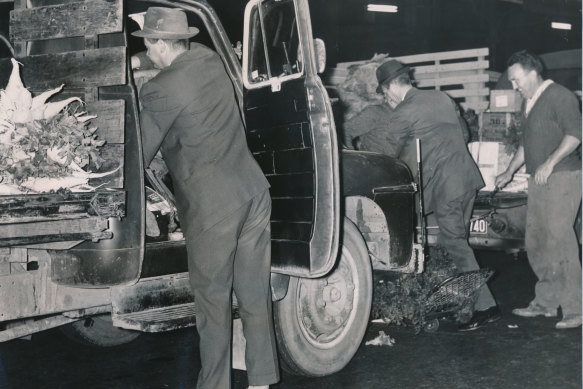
pixel 511 353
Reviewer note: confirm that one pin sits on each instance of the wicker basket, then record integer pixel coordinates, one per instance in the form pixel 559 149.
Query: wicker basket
pixel 456 291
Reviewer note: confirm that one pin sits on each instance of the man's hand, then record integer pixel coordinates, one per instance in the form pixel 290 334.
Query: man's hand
pixel 566 147
pixel 543 172
pixel 515 163
pixel 503 179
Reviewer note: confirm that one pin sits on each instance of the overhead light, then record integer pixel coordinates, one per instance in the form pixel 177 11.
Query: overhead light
pixel 561 26
pixel 382 8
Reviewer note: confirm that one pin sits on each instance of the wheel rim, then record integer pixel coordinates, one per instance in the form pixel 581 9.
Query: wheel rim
pixel 325 307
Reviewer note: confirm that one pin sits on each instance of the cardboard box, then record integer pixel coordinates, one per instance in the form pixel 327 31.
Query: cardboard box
pixel 486 154
pixel 492 159
pixel 505 100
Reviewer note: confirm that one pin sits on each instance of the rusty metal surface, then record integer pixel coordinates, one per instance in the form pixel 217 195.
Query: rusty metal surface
pixel 389 238
pixel 154 304
pixel 152 293
pixel 27 207
pixel 158 319
pixel 30 327
pixel 30 293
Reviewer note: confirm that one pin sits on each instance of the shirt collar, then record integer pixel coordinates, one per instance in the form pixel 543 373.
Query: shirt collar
pixel 530 102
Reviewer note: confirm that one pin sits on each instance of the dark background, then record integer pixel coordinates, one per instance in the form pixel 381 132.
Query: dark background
pixel 352 33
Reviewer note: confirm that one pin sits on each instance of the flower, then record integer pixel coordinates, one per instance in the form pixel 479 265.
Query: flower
pixel 44 144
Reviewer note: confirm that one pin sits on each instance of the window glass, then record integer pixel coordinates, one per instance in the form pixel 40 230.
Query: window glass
pixel 274 47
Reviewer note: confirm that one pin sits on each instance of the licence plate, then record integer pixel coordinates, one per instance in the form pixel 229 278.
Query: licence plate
pixel 478 226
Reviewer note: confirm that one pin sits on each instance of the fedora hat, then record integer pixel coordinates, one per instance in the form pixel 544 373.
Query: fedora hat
pixel 389 70
pixel 165 23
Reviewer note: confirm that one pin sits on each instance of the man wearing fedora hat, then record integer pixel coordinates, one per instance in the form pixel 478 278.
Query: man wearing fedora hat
pixel 450 175
pixel 190 113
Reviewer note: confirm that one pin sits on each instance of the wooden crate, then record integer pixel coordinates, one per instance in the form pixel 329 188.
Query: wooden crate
pixel 82 45
pixel 462 74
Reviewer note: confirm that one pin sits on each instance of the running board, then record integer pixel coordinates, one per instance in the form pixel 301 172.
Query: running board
pixel 156 304
pixel 162 319
pixel 158 319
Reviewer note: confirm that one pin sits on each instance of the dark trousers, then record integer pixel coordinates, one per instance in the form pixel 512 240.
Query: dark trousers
pixel 234 254
pixel 551 243
pixel 453 220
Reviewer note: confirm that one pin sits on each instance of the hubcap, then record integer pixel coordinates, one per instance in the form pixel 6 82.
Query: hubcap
pixel 325 305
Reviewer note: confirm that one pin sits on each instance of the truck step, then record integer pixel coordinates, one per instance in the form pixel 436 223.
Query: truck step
pixel 158 319
pixel 162 319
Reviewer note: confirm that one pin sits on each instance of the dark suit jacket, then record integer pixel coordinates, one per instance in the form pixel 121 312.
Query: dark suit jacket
pixel 190 113
pixel 447 166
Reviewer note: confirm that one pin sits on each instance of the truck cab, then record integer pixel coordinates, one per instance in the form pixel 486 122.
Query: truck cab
pixel 117 265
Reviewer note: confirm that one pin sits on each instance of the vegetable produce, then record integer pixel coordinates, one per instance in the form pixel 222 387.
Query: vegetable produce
pixel 44 146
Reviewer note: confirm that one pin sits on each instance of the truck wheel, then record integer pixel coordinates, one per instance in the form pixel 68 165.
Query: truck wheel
pixel 98 331
pixel 321 322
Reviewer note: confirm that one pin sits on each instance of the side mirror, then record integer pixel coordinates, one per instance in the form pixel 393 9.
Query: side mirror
pixel 320 51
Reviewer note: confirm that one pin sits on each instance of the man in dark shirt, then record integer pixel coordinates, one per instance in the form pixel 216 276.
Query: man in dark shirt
pixel 551 135
pixel 450 175
pixel 189 113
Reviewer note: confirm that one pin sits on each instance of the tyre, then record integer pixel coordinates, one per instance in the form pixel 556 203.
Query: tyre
pixel 321 322
pixel 98 331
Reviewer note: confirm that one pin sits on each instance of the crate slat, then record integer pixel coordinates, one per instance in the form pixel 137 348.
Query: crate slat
pixel 451 67
pixel 457 93
pixel 110 120
pixel 429 57
pixel 444 55
pixel 91 18
pixel 436 76
pixel 53 227
pixel 75 69
pixel 453 80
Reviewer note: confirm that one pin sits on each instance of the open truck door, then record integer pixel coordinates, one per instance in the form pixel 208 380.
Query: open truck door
pixel 291 133
pixel 290 129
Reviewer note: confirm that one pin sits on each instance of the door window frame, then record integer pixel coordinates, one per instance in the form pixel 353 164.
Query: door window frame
pixel 273 81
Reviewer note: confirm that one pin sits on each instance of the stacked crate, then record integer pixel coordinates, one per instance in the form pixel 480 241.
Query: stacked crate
pixel 499 136
pixel 462 74
pixel 70 43
pixel 82 45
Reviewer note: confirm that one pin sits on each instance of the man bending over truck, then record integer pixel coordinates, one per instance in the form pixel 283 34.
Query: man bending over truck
pixel 189 113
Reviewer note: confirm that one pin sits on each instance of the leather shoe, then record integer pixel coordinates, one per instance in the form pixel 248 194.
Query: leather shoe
pixel 481 318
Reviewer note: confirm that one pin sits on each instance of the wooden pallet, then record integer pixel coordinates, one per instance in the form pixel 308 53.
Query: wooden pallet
pixel 80 44
pixel 462 74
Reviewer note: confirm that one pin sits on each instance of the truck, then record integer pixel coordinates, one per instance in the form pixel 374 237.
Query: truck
pixel 89 263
